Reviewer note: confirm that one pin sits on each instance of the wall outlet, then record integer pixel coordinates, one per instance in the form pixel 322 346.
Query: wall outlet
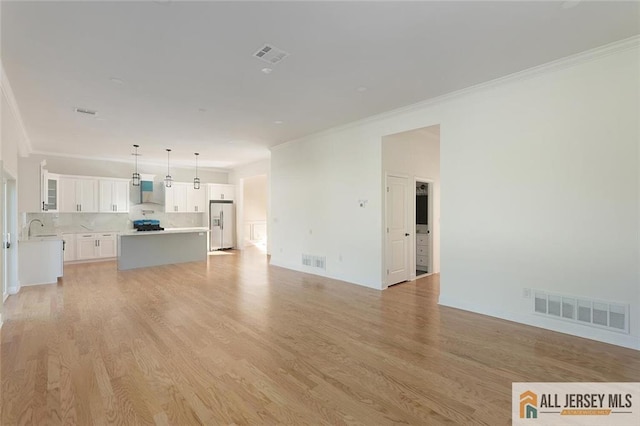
pixel 526 293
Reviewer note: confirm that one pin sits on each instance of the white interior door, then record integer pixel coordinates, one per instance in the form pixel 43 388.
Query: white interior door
pixel 397 241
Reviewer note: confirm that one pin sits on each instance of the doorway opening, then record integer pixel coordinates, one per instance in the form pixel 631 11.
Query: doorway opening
pixel 254 211
pixel 424 241
pixel 414 155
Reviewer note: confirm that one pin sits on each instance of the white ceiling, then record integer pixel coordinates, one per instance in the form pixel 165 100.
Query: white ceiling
pixel 176 58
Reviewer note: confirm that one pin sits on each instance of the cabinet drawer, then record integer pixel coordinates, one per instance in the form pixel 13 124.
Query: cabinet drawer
pixel 422 261
pixel 422 239
pixel 422 250
pixel 85 236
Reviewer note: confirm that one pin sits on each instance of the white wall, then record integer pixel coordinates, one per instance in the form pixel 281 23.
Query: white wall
pixel 416 154
pixel 540 189
pixel 316 185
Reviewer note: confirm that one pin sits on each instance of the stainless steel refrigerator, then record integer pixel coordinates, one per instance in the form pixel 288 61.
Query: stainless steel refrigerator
pixel 221 224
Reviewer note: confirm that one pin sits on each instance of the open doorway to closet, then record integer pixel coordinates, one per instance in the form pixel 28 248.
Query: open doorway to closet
pixel 424 241
pixel 412 242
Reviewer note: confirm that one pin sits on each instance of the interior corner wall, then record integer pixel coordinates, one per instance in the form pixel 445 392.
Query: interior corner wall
pixel 539 189
pixel 416 154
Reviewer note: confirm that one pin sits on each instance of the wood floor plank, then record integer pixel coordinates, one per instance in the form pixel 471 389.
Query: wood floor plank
pixel 235 341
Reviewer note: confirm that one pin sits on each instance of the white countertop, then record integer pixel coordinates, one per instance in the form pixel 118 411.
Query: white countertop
pixel 166 231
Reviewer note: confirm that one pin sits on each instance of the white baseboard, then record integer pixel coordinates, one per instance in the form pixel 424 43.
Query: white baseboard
pixel 14 289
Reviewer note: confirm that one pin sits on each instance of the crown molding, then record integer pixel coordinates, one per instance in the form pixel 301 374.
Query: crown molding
pixel 559 64
pixel 24 144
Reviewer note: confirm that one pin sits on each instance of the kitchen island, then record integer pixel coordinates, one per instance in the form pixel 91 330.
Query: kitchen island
pixel 40 260
pixel 138 249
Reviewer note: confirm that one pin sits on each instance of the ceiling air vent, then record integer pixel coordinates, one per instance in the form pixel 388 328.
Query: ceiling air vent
pixel 271 54
pixel 85 111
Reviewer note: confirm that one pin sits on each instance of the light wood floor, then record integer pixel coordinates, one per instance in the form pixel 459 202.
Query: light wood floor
pixel 234 341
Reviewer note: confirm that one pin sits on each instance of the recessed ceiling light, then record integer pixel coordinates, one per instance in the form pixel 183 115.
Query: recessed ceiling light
pixel 267 70
pixel 570 4
pixel 361 89
pixel 278 122
pixel 117 80
pixel 231 142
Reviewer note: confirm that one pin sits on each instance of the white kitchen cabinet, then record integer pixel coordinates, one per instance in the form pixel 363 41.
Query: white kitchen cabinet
pixel 106 245
pixel 85 246
pixel 95 246
pixel 50 190
pixel 422 252
pixel 220 191
pixel 78 194
pixel 40 261
pixel 182 198
pixel 196 199
pixel 69 247
pixel 114 196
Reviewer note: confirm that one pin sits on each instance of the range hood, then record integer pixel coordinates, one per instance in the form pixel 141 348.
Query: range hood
pixel 149 191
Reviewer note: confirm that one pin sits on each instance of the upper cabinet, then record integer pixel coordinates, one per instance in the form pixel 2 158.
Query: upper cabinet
pixel 175 198
pixel 49 192
pixel 183 198
pixel 196 199
pixel 219 191
pixel 78 194
pixel 114 195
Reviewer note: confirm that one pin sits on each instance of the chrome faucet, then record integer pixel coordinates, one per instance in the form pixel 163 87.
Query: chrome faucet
pixel 30 222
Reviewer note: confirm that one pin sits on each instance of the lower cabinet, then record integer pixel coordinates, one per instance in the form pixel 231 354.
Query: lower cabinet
pixel 95 246
pixel 69 247
pixel 422 252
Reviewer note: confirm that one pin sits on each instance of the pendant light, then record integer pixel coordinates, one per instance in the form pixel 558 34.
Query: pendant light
pixel 135 179
pixel 168 180
pixel 196 180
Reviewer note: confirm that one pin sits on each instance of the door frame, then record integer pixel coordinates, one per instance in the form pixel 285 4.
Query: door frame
pixel 385 254
pixel 430 212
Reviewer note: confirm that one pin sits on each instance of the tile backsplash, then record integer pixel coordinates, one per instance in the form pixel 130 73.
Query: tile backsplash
pixel 103 222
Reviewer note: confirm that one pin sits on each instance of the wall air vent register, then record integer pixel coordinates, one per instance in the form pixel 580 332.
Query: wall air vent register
pixel 596 313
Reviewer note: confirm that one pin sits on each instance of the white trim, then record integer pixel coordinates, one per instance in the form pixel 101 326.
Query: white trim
pixel 1 323
pixel 24 145
pixel 14 289
pixel 566 62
